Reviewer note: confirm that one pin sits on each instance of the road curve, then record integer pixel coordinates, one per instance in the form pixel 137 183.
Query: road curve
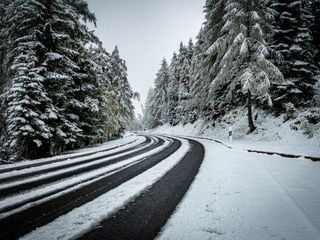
pixel 143 218
pixel 21 223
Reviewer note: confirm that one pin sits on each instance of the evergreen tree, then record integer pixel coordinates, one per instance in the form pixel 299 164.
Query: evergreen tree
pixel 243 40
pixel 159 104
pixel 70 81
pixel 108 123
pixel 173 90
pixel 25 101
pixel 148 119
pixel 293 40
pixel 315 6
pixel 50 87
pixel 198 88
pixel 122 89
pixel 185 57
pixel 213 97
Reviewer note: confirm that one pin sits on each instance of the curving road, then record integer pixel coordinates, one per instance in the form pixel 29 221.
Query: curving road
pixel 34 195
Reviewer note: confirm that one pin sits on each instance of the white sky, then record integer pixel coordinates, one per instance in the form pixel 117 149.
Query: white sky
pixel 146 31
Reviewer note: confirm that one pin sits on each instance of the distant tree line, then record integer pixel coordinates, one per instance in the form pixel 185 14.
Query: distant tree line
pixel 258 52
pixel 59 88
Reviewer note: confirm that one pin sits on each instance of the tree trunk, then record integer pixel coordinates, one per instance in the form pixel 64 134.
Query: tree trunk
pixel 250 120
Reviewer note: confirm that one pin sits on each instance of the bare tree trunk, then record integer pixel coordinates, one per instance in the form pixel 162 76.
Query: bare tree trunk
pixel 250 120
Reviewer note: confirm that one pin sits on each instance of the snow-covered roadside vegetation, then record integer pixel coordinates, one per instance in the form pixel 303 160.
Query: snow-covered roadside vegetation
pixel 296 136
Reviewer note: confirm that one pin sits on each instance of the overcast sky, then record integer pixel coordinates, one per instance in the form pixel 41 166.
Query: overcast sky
pixel 146 31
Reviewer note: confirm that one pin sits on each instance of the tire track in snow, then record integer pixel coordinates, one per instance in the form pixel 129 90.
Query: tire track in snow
pixel 15 175
pixel 23 222
pixel 59 158
pixel 24 185
pixel 13 203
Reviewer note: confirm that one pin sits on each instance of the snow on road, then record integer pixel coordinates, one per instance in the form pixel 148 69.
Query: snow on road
pixel 77 160
pixel 81 219
pixel 71 184
pixel 240 195
pixel 123 142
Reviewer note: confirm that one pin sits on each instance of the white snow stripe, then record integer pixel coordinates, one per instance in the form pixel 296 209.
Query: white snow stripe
pixel 106 146
pixel 50 174
pixel 17 173
pixel 80 220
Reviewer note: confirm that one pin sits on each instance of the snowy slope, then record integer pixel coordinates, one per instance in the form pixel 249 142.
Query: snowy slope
pixel 272 133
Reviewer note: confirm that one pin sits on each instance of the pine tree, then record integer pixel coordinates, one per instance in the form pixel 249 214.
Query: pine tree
pixel 315 6
pixel 48 68
pixel 198 87
pixel 243 40
pixel 293 40
pixel 159 104
pixel 213 97
pixel 148 120
pixel 173 90
pixel 69 79
pixel 108 124
pixel 185 58
pixel 122 89
pixel 25 102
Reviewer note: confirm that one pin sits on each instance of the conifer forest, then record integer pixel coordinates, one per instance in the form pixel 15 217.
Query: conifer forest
pixel 262 53
pixel 112 130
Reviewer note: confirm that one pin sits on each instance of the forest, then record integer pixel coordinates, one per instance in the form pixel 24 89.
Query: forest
pixel 59 88
pixel 255 53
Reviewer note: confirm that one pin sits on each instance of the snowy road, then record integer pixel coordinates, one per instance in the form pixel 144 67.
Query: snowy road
pixel 142 187
pixel 67 196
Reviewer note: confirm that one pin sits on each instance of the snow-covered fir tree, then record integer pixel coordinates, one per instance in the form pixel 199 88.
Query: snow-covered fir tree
pixel 173 90
pixel 198 90
pixel 108 106
pixel 215 96
pixel 148 120
pixel 185 58
pixel 315 8
pixel 53 95
pixel 25 102
pixel 243 40
pixel 293 40
pixel 159 102
pixel 121 87
pixel 238 59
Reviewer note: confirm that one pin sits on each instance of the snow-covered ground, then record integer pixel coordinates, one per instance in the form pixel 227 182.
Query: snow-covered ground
pixel 272 134
pixel 240 195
